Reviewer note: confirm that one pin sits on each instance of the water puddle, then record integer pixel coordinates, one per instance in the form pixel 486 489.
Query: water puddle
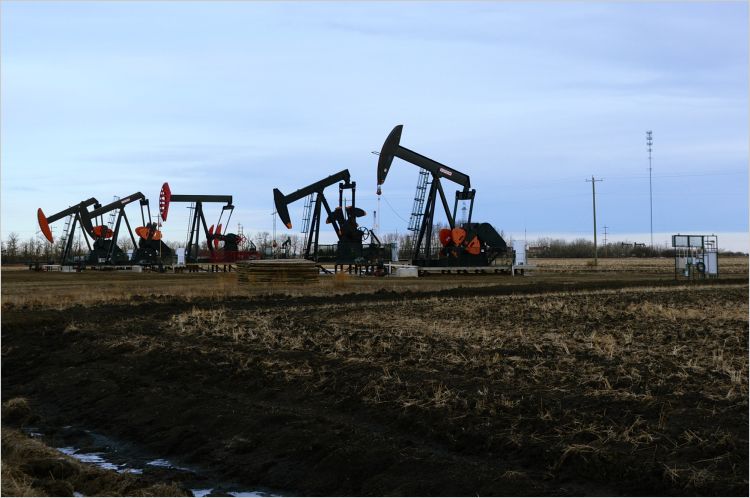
pixel 166 464
pixel 208 491
pixel 98 460
pixel 106 453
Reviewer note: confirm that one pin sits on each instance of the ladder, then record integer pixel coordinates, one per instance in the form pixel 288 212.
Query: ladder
pixel 112 214
pixel 306 214
pixel 418 207
pixel 189 235
pixel 64 238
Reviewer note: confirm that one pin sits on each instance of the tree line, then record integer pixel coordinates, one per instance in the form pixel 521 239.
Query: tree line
pixel 583 248
pixel 34 249
pixel 38 249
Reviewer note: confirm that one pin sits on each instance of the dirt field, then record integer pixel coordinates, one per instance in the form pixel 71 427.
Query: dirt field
pixel 564 383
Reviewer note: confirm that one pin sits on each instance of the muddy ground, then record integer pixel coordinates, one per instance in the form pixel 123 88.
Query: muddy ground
pixel 597 388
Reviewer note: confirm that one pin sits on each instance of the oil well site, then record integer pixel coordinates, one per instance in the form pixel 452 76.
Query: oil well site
pixel 467 369
pixel 374 249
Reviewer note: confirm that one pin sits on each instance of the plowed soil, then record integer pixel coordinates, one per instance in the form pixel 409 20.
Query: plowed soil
pixel 597 388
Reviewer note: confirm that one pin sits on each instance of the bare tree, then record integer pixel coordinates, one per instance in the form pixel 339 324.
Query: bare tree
pixel 389 238
pixel 30 249
pixel 262 241
pixel 296 245
pixel 11 247
pixel 46 249
pixel 126 244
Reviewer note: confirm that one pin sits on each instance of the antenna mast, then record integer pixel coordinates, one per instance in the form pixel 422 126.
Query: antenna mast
pixel 649 143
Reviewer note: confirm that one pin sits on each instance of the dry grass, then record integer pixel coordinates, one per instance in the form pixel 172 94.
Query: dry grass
pixel 593 377
pixel 23 288
pixel 16 411
pixel 30 468
pixel 728 265
pixel 620 384
pixel 59 291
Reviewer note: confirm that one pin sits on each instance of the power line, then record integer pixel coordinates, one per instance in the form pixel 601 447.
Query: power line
pixel 683 175
pixel 394 211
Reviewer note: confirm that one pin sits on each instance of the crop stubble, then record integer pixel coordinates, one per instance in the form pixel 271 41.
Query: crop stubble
pixel 599 391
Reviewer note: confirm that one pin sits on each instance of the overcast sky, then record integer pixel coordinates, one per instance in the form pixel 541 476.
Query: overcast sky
pixel 105 98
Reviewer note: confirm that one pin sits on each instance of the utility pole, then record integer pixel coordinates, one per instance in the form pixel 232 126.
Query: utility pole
pixel 649 143
pixel 606 248
pixel 273 216
pixel 593 197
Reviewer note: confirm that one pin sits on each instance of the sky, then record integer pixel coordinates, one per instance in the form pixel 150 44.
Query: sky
pixel 530 100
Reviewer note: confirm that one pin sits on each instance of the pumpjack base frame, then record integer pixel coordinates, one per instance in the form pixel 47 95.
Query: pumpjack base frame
pixel 449 270
pixel 448 266
pixel 477 270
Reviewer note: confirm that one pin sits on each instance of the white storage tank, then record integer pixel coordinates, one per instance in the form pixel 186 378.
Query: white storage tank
pixel 180 252
pixel 519 246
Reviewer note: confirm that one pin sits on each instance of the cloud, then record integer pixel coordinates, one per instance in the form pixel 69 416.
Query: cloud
pixel 239 98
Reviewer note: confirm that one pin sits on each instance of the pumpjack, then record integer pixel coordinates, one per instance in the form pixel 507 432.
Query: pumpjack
pixel 76 214
pixel 104 250
pixel 286 247
pixel 231 250
pixel 151 248
pixel 468 245
pixel 350 248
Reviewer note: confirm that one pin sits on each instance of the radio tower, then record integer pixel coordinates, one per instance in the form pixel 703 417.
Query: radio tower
pixel 649 143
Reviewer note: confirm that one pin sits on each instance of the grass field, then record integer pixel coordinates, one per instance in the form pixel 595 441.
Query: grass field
pixel 732 265
pixel 568 382
pixel 21 287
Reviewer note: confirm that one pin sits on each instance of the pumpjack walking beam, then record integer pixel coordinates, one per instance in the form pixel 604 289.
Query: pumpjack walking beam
pixel 198 219
pixel 392 148
pixel 282 201
pixel 79 212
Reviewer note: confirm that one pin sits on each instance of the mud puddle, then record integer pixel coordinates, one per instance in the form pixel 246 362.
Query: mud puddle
pixel 122 457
